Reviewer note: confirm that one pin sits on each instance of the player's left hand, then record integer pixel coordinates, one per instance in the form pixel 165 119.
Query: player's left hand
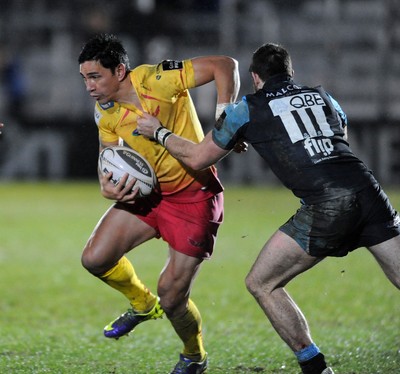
pixel 1 125
pixel 147 124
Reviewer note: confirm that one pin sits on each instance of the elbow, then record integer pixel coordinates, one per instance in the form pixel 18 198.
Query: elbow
pixel 229 64
pixel 232 62
pixel 234 66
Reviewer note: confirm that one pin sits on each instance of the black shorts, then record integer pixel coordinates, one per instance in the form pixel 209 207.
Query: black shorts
pixel 336 227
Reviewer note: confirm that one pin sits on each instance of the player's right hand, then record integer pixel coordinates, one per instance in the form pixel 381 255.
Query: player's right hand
pixel 122 192
pixel 241 147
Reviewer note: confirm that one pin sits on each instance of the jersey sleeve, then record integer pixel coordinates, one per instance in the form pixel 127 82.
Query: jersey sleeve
pixel 341 113
pixel 177 75
pixel 226 132
pixel 166 80
pixel 188 75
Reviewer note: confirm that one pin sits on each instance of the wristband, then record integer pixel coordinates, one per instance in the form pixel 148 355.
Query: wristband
pixel 161 134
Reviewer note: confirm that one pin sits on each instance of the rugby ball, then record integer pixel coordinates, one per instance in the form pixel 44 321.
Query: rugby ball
pixel 121 160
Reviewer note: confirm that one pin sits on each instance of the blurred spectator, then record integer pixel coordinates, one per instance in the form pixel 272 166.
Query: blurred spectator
pixel 13 83
pixel 191 5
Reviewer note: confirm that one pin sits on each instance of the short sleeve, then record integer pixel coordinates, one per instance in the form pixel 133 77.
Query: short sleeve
pixel 226 132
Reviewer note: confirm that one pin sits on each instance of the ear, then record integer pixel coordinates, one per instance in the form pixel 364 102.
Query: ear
pixel 258 82
pixel 120 71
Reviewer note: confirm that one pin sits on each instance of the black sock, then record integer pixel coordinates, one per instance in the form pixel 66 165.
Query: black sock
pixel 315 365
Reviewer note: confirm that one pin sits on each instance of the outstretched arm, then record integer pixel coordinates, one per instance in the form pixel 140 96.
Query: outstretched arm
pixel 195 155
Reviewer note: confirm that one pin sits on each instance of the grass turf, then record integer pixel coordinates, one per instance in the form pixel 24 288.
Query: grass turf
pixel 52 311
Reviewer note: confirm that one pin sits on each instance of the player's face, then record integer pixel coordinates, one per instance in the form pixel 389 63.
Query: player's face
pixel 101 84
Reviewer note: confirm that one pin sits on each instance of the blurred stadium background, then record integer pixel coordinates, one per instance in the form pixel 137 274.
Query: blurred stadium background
pixel 351 47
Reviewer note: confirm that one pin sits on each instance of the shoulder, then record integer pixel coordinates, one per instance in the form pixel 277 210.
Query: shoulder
pixel 163 66
pixel 237 113
pixel 173 75
pixel 226 130
pixel 142 71
pixel 104 112
pixel 338 108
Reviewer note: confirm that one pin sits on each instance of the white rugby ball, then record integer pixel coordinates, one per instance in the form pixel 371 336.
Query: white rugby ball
pixel 121 160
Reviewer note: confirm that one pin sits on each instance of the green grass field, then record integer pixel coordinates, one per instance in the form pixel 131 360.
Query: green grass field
pixel 52 311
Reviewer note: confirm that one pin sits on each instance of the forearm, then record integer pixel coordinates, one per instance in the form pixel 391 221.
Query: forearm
pixel 195 155
pixel 224 71
pixel 227 81
pixel 180 148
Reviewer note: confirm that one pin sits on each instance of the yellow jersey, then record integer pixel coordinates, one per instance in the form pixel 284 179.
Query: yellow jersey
pixel 163 91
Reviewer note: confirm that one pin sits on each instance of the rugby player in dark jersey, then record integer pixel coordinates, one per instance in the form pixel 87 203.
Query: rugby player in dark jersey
pixel 301 132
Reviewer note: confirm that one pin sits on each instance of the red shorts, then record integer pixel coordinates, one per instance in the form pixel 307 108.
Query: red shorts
pixel 189 228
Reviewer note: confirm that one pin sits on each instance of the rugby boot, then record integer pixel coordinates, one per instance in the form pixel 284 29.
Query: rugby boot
pixel 126 322
pixel 187 366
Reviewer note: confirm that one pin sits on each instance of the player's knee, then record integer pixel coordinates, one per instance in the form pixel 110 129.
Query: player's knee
pixel 252 284
pixel 92 264
pixel 86 262
pixel 168 303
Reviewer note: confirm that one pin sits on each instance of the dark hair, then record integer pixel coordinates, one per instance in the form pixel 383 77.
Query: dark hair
pixel 107 49
pixel 271 59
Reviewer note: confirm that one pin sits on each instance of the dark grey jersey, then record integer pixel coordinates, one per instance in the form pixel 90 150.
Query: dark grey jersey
pixel 299 131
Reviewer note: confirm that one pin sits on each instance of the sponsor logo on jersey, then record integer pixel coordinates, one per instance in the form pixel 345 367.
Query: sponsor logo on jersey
pixel 306 100
pixel 322 147
pixel 283 91
pixel 106 106
pixel 172 65
pixel 302 115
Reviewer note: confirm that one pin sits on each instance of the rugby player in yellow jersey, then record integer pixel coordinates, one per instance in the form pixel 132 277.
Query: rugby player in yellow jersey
pixel 188 209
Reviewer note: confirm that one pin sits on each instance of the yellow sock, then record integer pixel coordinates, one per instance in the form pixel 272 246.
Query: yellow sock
pixel 123 278
pixel 188 328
